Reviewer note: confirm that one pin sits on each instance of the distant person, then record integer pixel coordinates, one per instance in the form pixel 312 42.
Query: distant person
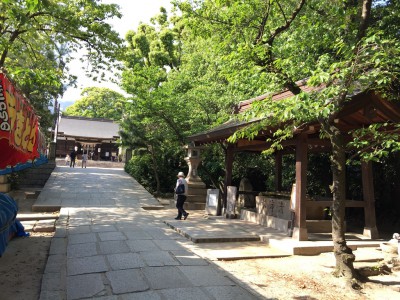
pixel 67 160
pixel 73 157
pixel 181 191
pixel 84 159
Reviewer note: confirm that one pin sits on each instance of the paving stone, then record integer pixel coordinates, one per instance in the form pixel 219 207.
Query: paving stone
pixel 125 261
pixel 52 282
pixel 61 232
pixel 106 298
pixel 84 286
pixel 92 264
pixel 230 293
pixel 184 294
pixel 103 228
pixel 77 222
pixel 166 277
pixel 82 250
pixel 111 236
pixel 113 247
pixel 138 235
pixel 55 263
pixel 82 238
pixel 127 226
pixel 148 295
pixel 79 229
pixel 142 245
pixel 58 246
pixel 127 281
pixel 51 295
pixel 168 245
pixel 205 276
pixel 188 258
pixel 158 258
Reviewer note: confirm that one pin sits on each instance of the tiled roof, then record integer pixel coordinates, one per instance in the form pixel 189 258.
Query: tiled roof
pixel 87 127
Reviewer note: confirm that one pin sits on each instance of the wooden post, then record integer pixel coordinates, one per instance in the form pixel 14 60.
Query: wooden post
pixel 278 171
pixel 300 226
pixel 370 229
pixel 228 174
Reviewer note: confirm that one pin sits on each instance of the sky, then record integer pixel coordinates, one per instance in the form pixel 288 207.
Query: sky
pixel 134 12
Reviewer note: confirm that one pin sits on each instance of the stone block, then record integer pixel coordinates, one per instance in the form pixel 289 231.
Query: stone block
pixel 230 293
pixel 184 293
pixel 127 281
pixel 113 247
pixel 84 286
pixel 205 276
pixel 45 226
pixel 92 264
pixel 166 278
pixel 121 261
pixel 82 250
pixel 158 258
pixel 148 295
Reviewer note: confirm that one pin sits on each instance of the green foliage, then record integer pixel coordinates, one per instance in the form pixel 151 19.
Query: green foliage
pixel 98 103
pixel 38 37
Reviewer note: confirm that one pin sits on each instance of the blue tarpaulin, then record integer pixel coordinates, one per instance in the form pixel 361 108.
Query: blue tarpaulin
pixel 9 225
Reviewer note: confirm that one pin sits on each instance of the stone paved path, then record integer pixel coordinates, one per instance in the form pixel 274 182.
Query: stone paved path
pixel 107 247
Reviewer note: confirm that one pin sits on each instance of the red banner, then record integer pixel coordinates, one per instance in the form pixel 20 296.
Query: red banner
pixel 21 143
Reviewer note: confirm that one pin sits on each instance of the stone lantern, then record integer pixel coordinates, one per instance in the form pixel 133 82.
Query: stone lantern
pixel 193 160
pixel 196 198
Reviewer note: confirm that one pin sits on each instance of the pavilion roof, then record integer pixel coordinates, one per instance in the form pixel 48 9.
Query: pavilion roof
pixel 363 109
pixel 82 127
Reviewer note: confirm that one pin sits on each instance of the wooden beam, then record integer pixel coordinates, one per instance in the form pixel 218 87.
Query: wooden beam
pixel 278 171
pixel 370 228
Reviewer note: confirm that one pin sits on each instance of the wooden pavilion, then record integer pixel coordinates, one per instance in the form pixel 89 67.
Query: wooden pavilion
pixel 95 136
pixel 364 108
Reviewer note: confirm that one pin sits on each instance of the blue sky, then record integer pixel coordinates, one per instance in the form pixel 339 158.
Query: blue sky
pixel 134 12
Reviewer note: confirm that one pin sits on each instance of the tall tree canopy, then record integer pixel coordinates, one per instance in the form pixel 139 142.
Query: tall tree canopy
pixel 98 102
pixel 343 45
pixel 37 38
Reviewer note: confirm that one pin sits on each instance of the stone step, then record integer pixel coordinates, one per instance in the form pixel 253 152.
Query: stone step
pixel 39 225
pixel 35 216
pixel 319 226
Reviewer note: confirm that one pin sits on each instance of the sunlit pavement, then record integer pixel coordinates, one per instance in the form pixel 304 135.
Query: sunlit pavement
pixel 106 246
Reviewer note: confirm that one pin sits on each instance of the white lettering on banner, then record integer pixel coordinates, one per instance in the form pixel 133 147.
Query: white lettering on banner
pixel 4 126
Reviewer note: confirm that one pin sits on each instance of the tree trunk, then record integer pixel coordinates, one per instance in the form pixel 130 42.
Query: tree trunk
pixel 343 254
pixel 155 169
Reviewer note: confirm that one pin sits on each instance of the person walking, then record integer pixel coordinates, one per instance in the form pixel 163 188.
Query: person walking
pixel 73 157
pixel 84 159
pixel 181 191
pixel 67 160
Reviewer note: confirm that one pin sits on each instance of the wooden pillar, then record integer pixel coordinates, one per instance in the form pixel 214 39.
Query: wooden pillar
pixel 278 171
pixel 370 229
pixel 300 226
pixel 228 173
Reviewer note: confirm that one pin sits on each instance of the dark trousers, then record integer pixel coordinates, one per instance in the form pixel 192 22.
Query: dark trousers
pixel 179 205
pixel 72 164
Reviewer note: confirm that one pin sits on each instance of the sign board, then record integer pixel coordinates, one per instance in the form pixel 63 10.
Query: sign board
pixel 212 201
pixel 231 202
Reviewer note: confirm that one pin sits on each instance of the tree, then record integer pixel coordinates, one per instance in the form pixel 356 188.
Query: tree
pixel 348 48
pixel 98 102
pixel 37 38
